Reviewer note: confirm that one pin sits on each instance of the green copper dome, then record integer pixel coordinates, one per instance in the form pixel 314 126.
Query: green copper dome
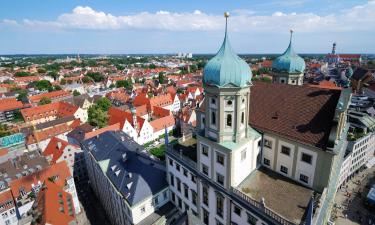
pixel 289 61
pixel 226 67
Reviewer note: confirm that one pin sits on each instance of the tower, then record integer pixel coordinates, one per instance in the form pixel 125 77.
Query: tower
pixel 225 137
pixel 334 48
pixel 289 67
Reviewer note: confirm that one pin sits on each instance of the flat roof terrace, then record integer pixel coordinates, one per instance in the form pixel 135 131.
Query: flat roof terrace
pixel 186 149
pixel 281 195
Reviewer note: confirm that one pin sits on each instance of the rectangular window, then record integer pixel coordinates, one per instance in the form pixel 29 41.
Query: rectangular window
pixel 185 172
pixel 284 169
pixel 220 179
pixel 194 197
pixel 213 118
pixel 285 150
pixel 171 162
pixel 251 219
pixel 173 197
pixel 143 209
pixel 243 155
pixel 179 202
pixel 186 207
pixel 304 178
pixel 237 210
pixel 177 167
pixel 205 169
pixel 193 178
pixel 266 162
pixel 219 205
pixel 186 191
pixel 205 216
pixel 205 195
pixel 204 150
pixel 306 158
pixel 220 158
pixel 267 143
pixel 178 185
pixel 171 179
pixel 156 201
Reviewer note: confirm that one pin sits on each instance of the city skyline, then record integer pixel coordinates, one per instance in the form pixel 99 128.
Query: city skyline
pixel 256 27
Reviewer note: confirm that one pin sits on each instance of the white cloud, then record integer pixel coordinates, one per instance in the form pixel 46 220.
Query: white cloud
pixel 358 18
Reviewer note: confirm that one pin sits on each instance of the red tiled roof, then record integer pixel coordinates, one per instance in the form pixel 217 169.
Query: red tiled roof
pixel 6 200
pixel 301 113
pixel 55 148
pixel 162 123
pixel 8 104
pixel 52 202
pixel 116 115
pixel 26 79
pixel 267 64
pixel 161 112
pixel 59 109
pixel 47 133
pixel 113 127
pixel 326 84
pixel 51 95
pixel 59 170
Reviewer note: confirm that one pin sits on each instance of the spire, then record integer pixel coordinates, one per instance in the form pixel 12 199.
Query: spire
pixel 291 36
pixel 226 15
pixel 289 50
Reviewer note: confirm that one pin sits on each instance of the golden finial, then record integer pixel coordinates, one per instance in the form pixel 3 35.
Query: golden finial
pixel 226 14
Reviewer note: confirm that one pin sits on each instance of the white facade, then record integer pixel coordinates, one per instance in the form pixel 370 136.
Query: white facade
pixel 176 106
pixel 9 216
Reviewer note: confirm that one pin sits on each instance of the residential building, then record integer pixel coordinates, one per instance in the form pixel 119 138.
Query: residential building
pixel 129 183
pixel 26 189
pixel 289 67
pixel 59 150
pixel 7 208
pixel 55 96
pixel 258 148
pixel 53 205
pixel 8 106
pixel 52 111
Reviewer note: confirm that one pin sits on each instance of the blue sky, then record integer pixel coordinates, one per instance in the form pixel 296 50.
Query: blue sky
pixel 124 26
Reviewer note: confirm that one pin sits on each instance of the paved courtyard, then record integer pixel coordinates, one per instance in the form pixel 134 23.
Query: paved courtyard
pixel 350 208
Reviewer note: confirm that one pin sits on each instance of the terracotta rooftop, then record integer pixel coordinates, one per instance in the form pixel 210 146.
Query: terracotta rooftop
pixel 113 127
pixel 55 205
pixel 301 113
pixel 6 200
pixel 55 148
pixel 58 109
pixel 162 123
pixel 8 104
pixel 59 170
pixel 51 95
pixel 116 115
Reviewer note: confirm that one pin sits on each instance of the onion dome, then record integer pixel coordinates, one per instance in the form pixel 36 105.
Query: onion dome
pixel 226 68
pixel 289 61
pixel 349 72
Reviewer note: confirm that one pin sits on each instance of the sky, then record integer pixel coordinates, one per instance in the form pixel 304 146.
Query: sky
pixel 171 26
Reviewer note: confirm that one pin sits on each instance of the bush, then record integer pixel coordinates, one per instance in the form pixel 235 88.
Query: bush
pixel 159 152
pixel 22 74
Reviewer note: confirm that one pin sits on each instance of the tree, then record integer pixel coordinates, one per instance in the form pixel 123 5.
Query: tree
pixel 161 78
pixel 152 66
pixel 104 104
pixel 97 77
pixel 96 116
pixel 44 101
pixel 76 93
pixel 112 86
pixel 42 70
pixel 22 74
pixel 42 85
pixel 86 79
pixel 17 116
pixel 4 130
pixel 127 84
pixel 22 95
pixel 57 88
pixel 62 81
pixel 53 74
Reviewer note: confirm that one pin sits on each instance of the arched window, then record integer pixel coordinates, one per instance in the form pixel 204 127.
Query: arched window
pixel 229 120
pixel 213 118
pixel 243 117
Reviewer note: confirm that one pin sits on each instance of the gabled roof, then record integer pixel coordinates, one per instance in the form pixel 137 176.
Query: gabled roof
pixel 116 115
pixel 6 201
pixel 55 148
pixel 59 170
pixel 138 177
pixel 162 123
pixel 113 127
pixel 8 104
pixel 55 205
pixel 51 95
pixel 300 113
pixel 58 109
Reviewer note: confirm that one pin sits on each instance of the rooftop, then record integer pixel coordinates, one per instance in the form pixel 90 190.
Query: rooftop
pixel 135 174
pixel 301 113
pixel 282 195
